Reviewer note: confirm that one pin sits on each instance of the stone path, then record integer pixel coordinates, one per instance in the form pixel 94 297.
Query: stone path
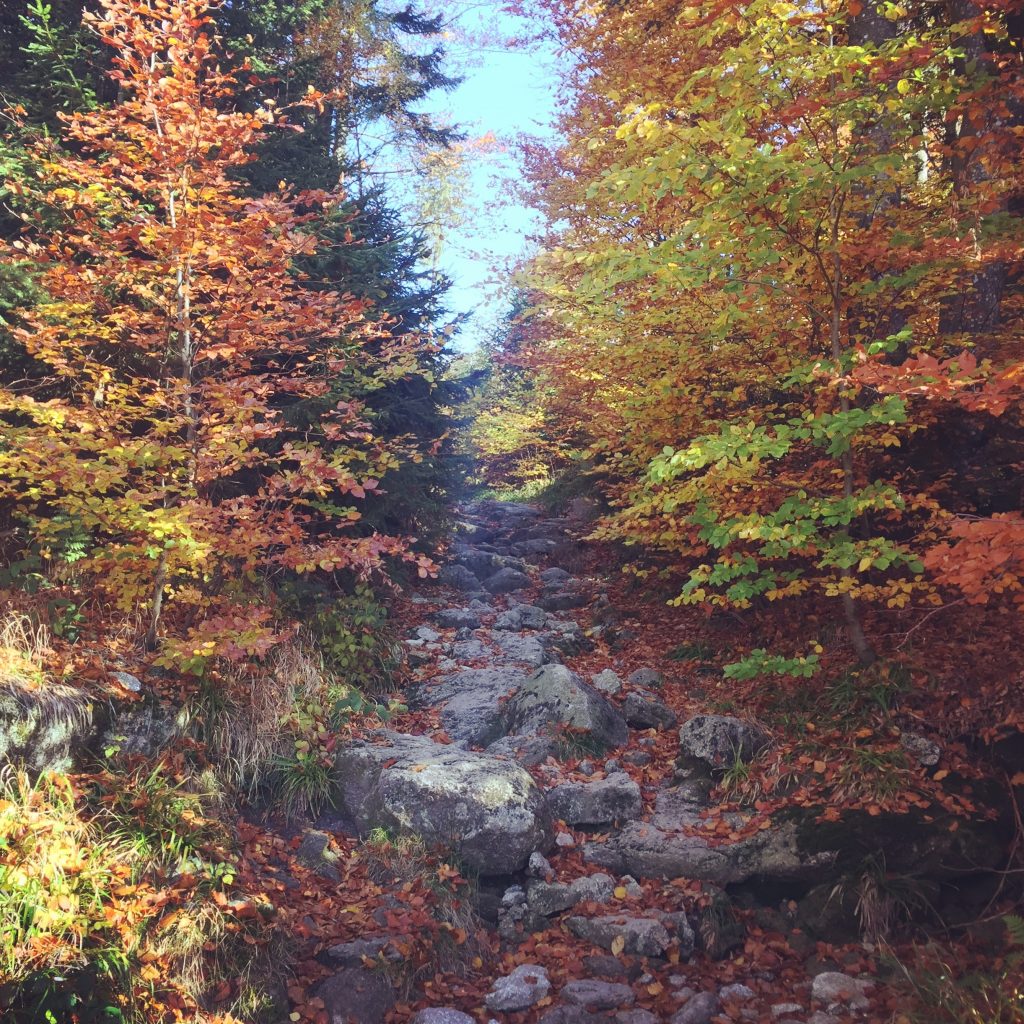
pixel 491 785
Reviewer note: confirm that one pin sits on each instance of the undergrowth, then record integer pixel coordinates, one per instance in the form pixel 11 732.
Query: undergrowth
pixel 942 991
pixel 118 893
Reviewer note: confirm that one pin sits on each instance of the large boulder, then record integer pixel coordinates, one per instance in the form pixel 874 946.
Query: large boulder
pixel 719 740
pixel 487 810
pixel 554 697
pixel 614 798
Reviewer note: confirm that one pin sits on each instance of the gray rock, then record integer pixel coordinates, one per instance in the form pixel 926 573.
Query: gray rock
pixel 642 711
pixel 46 729
pixel 524 650
pixel 534 547
pixel 718 740
pixel 476 560
pixel 131 683
pixel 528 751
pixel 645 677
pixel 642 936
pixel 570 1015
pixel 487 810
pixel 598 995
pixel 613 798
pixel 563 601
pixel 552 697
pixel 837 990
pixel 650 852
pixel 142 727
pixel 521 616
pixel 527 985
pixel 785 1009
pixel 634 890
pixel 554 577
pixel 607 682
pixel 469 650
pixel 678 923
pixel 698 1010
pixel 458 576
pixel 356 995
pixel 314 853
pixel 635 1017
pixel 471 699
pixel 565 637
pixel 428 635
pixel 640 758
pixel 924 751
pixel 735 993
pixel 438 1015
pixel 598 888
pixel 507 580
pixel 352 954
pixel 539 866
pixel 455 618
pixel 547 898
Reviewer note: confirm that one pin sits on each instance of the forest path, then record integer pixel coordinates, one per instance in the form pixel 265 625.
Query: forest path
pixel 554 780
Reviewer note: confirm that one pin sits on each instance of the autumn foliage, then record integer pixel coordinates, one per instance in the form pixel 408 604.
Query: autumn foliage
pixel 781 301
pixel 175 335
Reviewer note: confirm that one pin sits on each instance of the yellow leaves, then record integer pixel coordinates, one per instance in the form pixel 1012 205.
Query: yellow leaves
pixel 620 892
pixel 618 944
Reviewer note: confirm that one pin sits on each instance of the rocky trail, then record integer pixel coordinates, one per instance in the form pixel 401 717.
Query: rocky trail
pixel 579 795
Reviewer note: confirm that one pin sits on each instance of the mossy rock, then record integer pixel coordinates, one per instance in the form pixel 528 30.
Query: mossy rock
pixel 48 729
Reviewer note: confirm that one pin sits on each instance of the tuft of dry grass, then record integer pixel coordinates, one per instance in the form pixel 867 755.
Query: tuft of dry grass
pixel 23 647
pixel 241 722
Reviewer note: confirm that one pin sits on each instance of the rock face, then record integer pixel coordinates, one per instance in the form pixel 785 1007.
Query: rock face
pixel 488 810
pixel 554 696
pixel 45 729
pixel 718 740
pixel 614 798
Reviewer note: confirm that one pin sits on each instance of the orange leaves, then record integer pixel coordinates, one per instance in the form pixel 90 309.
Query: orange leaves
pixel 171 303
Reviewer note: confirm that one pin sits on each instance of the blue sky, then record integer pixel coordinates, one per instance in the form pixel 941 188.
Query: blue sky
pixel 507 91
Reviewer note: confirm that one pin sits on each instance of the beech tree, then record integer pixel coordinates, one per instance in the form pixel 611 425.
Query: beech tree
pixel 780 260
pixel 173 329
